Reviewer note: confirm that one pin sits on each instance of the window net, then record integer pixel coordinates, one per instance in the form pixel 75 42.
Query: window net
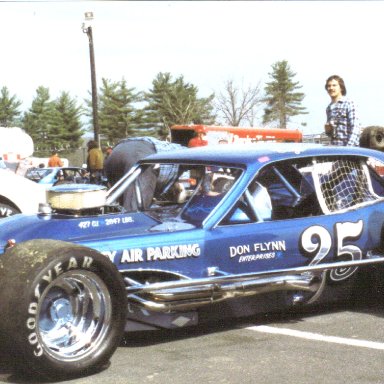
pixel 342 184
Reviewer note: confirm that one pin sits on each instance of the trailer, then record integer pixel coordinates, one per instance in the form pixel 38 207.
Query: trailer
pixel 216 134
pixel 15 144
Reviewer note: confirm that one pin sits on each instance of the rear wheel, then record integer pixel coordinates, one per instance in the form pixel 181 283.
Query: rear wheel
pixel 63 308
pixel 372 137
pixel 330 290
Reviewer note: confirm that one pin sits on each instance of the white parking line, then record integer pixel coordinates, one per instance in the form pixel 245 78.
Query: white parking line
pixel 318 337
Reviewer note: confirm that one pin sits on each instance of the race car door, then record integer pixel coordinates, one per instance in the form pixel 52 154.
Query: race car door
pixel 286 224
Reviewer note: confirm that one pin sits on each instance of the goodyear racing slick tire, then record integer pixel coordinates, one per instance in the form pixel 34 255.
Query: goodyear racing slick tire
pixel 63 308
pixel 7 210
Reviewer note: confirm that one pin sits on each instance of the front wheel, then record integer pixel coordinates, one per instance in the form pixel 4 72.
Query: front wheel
pixel 63 308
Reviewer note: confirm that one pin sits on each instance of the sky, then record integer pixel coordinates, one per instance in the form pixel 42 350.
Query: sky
pixel 207 42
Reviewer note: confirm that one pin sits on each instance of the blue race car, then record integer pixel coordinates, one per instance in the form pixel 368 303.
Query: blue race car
pixel 227 231
pixel 57 175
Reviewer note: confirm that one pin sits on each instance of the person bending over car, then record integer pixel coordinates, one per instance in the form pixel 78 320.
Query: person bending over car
pixel 128 152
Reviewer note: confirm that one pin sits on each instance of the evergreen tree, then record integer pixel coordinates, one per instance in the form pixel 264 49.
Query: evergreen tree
pixel 67 123
pixel 282 98
pixel 175 102
pixel 53 125
pixel 118 118
pixel 9 111
pixel 38 119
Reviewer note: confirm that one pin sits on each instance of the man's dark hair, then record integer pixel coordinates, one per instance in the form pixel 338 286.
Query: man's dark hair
pixel 340 81
pixel 92 144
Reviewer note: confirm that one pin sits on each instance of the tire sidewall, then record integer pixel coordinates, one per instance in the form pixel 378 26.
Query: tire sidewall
pixel 372 137
pixel 21 314
pixel 7 210
pixel 377 139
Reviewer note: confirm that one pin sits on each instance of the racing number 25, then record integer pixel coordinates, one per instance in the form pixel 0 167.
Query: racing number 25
pixel 316 242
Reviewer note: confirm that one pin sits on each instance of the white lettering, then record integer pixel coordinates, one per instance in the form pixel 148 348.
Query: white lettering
pixel 32 310
pixel 31 323
pixel 87 262
pixel 134 255
pixel 239 250
pixel 32 338
pixel 4 212
pixel 38 351
pixel 258 256
pixel 48 278
pixel 113 221
pixel 37 291
pixel 84 224
pixel 278 245
pixel 58 269
pixel 110 254
pixel 72 264
pixel 173 252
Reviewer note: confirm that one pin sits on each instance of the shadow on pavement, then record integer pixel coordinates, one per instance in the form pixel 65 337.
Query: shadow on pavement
pixel 370 305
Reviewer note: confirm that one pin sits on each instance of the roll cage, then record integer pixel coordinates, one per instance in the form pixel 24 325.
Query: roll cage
pixel 284 189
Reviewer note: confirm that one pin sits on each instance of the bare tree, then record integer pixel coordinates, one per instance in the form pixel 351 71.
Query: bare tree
pixel 237 106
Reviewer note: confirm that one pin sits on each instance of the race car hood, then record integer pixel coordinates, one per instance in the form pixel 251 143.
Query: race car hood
pixel 81 230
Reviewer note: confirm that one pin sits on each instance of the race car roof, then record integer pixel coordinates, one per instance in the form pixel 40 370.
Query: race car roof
pixel 247 154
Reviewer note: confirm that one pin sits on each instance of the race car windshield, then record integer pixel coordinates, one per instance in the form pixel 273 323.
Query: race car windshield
pixel 186 193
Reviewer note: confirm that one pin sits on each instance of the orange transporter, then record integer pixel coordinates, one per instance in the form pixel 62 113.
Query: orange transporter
pixel 215 134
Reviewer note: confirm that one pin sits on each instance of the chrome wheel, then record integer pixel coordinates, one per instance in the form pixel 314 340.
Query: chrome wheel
pixel 74 315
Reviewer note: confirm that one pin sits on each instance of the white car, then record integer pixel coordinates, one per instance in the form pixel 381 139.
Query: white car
pixel 18 194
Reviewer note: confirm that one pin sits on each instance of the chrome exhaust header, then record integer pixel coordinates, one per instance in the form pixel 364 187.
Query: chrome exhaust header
pixel 190 294
pixel 190 298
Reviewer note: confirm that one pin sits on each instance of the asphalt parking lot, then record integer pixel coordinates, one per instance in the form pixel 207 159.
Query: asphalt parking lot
pixel 342 344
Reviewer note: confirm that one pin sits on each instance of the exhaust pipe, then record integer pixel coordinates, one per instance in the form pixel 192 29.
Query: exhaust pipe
pixel 189 298
pixel 189 294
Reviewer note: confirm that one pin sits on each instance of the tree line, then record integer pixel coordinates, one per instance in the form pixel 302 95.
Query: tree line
pixel 124 111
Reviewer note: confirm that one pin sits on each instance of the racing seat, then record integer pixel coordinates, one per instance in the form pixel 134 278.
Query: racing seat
pixel 262 202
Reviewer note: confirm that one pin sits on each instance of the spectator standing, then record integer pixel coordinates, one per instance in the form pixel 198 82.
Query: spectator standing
pixel 23 166
pixel 95 162
pixel 108 151
pixel 199 139
pixel 128 152
pixel 342 125
pixel 54 160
